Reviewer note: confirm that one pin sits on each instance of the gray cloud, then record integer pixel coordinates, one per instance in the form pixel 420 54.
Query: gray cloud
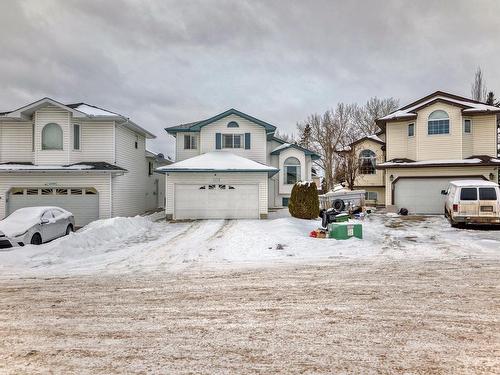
pixel 162 62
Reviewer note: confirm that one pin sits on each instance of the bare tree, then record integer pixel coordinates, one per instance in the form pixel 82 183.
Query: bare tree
pixel 288 138
pixel 374 108
pixel 327 135
pixel 478 90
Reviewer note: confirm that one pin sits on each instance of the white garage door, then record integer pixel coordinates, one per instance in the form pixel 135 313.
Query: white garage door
pixel 422 195
pixel 82 202
pixel 216 201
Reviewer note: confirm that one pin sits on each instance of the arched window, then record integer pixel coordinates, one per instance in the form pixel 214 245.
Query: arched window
pixel 52 137
pixel 367 162
pixel 438 123
pixel 233 124
pixel 292 170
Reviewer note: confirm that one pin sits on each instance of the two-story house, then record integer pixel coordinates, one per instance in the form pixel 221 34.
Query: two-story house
pixel 231 166
pixel 85 159
pixel 425 144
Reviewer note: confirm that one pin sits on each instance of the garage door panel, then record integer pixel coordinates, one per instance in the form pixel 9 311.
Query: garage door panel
pixel 85 208
pixel 422 195
pixel 216 201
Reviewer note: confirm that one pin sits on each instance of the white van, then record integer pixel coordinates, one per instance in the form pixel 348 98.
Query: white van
pixel 472 202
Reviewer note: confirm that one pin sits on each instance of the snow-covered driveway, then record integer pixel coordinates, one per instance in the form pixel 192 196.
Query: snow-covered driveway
pixel 142 244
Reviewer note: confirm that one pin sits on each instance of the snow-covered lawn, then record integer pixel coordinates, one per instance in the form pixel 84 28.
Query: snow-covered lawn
pixel 144 244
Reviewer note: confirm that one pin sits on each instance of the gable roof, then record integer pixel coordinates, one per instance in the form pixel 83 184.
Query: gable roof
pixel 78 110
pixel 197 125
pixel 469 107
pixel 218 161
pixel 285 145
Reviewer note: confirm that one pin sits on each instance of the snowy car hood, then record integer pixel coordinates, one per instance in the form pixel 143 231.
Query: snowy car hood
pixel 23 219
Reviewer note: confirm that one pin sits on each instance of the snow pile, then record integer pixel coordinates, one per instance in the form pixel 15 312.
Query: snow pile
pixel 140 244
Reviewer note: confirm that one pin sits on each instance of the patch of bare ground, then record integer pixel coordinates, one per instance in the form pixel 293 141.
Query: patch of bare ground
pixel 382 317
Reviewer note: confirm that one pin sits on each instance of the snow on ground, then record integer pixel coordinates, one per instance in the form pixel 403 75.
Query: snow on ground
pixel 142 244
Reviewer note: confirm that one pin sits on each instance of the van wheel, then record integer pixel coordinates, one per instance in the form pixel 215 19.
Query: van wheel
pixel 69 229
pixel 36 239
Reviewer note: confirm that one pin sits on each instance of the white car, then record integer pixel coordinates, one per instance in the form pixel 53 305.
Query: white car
pixel 472 202
pixel 35 225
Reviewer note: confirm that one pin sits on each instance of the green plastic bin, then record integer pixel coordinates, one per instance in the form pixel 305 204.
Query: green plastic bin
pixel 341 218
pixel 344 231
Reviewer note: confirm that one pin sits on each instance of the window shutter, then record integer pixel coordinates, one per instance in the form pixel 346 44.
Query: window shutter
pixel 218 141
pixel 247 141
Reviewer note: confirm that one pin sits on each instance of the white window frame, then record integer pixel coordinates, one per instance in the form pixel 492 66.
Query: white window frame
pixel 232 135
pixel 439 119
pixel 372 159
pixel 470 126
pixel 44 129
pixel 368 193
pixel 193 143
pixel 79 137
pixel 412 124
pixel 298 170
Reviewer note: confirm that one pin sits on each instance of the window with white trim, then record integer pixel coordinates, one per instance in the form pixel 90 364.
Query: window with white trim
pixel 367 162
pixel 411 130
pixel 371 195
pixel 232 141
pixel 76 136
pixel 467 126
pixel 292 170
pixel 52 137
pixel 190 142
pixel 438 123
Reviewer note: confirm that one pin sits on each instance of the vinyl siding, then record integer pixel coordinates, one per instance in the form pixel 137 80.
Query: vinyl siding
pixel 437 172
pixel 61 117
pixel 16 142
pixel 96 142
pixel 100 181
pixel 258 144
pixel 180 152
pixel 305 170
pixel 376 179
pixel 397 144
pixel 225 178
pixel 129 189
pixel 439 146
pixel 484 135
pixel 152 202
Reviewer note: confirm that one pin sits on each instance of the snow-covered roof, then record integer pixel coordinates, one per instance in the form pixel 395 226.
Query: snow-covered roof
pixel 284 145
pixel 78 110
pixel 281 147
pixel 88 166
pixel 375 137
pixel 91 110
pixel 439 162
pixel 473 183
pixel 470 106
pixel 218 161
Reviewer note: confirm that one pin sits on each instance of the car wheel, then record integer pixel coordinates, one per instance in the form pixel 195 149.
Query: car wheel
pixel 69 229
pixel 36 239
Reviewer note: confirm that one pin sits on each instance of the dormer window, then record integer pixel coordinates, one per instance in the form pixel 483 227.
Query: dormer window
pixel 233 124
pixel 52 137
pixel 438 123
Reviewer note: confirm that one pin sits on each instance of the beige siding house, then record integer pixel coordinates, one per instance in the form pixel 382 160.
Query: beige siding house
pixel 231 166
pixel 87 160
pixel 428 143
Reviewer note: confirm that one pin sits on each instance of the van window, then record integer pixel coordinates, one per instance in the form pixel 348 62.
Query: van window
pixel 468 194
pixel 487 194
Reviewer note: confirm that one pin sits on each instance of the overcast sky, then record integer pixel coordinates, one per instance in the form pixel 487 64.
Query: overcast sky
pixel 163 63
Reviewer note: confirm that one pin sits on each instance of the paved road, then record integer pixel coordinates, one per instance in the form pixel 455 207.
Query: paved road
pixel 358 317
